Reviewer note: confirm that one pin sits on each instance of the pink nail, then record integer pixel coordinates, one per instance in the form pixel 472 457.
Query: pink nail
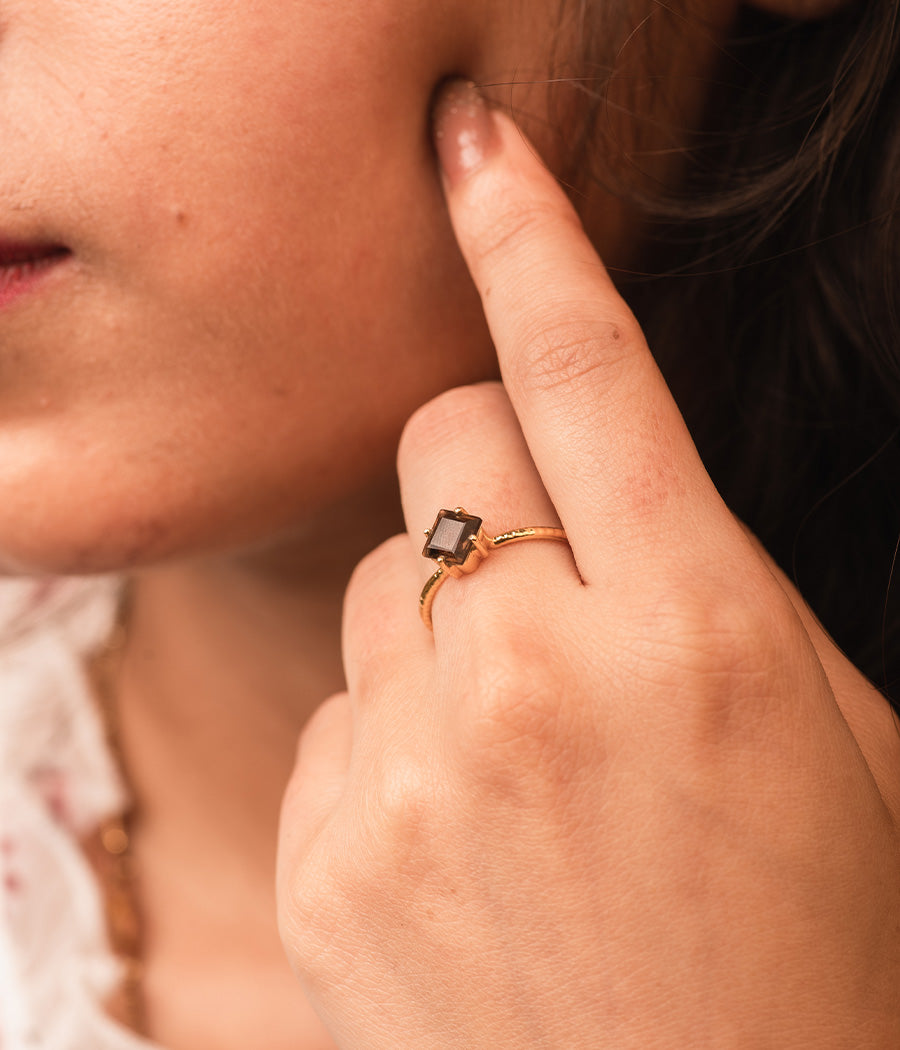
pixel 464 133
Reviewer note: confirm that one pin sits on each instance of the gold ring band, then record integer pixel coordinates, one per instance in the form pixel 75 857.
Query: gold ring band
pixel 459 544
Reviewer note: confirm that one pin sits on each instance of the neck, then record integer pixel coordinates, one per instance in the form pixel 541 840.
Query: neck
pixel 225 662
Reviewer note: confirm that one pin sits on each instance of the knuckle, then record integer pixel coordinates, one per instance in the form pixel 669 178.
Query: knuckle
pixel 407 816
pixel 561 354
pixel 713 657
pixel 368 593
pixel 372 569
pixel 308 914
pixel 520 729
pixel 380 558
pixel 428 428
pixel 369 873
pixel 404 805
pixel 705 631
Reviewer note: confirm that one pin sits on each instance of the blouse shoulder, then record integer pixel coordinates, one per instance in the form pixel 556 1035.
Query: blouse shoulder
pixel 57 782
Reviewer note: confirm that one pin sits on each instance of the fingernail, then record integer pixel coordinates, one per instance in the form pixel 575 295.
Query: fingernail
pixel 464 132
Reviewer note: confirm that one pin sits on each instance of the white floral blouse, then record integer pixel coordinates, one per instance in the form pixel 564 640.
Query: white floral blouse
pixel 57 782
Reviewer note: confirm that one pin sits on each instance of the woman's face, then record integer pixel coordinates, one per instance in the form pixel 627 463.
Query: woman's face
pixel 261 282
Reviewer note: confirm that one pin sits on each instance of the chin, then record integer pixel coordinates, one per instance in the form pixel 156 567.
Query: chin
pixel 74 546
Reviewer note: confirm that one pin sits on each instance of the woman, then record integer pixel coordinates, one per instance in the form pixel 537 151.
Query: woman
pixel 628 793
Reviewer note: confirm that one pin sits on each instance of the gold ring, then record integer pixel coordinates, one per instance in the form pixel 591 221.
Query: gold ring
pixel 458 543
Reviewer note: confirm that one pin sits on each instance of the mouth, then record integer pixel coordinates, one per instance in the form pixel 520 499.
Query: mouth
pixel 23 264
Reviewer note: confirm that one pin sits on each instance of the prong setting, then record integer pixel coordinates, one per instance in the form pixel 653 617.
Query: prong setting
pixel 458 543
pixel 453 538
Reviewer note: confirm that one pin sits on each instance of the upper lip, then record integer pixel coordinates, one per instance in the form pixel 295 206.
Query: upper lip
pixel 13 252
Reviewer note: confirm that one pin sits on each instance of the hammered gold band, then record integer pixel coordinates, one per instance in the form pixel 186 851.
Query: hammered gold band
pixel 459 544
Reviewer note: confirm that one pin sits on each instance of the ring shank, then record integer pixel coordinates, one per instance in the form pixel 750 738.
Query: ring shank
pixel 503 539
pixel 533 532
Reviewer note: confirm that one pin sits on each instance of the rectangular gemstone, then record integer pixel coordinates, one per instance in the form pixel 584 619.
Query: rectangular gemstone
pixel 447 534
pixel 451 536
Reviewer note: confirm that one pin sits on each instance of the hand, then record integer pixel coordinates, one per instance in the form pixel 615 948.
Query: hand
pixel 628 795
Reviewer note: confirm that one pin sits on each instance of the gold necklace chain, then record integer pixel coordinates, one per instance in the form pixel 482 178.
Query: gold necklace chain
pixel 111 847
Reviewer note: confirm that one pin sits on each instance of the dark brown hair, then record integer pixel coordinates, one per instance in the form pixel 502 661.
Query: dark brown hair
pixel 771 298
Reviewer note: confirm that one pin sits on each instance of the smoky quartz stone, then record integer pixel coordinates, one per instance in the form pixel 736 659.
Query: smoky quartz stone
pixel 452 536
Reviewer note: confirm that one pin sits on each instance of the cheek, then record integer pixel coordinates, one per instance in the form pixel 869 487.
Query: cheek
pixel 265 287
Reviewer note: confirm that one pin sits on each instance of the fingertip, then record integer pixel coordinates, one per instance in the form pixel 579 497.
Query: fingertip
pixel 464 130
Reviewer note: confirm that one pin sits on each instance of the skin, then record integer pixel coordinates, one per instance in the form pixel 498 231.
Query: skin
pixel 264 285
pixel 628 795
pixel 198 347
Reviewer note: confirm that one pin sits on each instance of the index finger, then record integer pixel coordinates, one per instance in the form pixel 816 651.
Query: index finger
pixel 608 440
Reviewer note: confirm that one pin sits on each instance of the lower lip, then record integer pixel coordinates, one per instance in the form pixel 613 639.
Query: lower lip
pixel 18 279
